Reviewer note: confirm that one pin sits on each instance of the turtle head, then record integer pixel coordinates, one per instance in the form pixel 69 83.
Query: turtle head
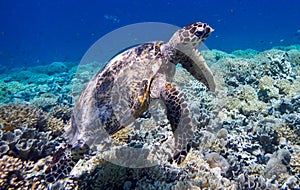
pixel 183 49
pixel 191 35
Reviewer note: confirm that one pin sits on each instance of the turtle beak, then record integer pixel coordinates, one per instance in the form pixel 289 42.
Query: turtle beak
pixel 207 31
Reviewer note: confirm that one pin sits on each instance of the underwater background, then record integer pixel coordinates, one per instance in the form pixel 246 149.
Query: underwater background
pixel 40 32
pixel 246 135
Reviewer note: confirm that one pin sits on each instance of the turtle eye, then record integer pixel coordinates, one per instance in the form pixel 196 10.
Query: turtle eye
pixel 199 33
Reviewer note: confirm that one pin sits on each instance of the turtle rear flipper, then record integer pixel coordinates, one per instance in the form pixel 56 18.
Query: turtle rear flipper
pixel 64 161
pixel 178 115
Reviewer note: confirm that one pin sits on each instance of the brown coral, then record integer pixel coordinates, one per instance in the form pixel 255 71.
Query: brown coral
pixel 55 125
pixel 18 174
pixel 14 116
pixel 61 112
pixel 122 135
pixel 287 132
pixel 11 172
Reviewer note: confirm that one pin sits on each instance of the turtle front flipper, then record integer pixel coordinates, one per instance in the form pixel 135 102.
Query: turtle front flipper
pixel 179 118
pixel 195 64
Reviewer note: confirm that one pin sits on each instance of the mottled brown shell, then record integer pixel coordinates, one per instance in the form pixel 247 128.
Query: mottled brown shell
pixel 116 95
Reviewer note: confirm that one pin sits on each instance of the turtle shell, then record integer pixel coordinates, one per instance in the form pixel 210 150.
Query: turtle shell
pixel 115 96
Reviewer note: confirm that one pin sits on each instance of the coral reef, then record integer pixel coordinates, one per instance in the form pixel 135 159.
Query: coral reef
pixel 278 164
pixel 10 173
pixel 18 174
pixel 27 130
pixel 45 101
pixel 61 112
pixel 246 135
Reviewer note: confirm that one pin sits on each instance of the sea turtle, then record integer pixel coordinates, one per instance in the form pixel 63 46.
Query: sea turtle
pixel 124 88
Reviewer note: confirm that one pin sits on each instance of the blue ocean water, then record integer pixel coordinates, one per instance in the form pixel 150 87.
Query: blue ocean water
pixel 40 31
